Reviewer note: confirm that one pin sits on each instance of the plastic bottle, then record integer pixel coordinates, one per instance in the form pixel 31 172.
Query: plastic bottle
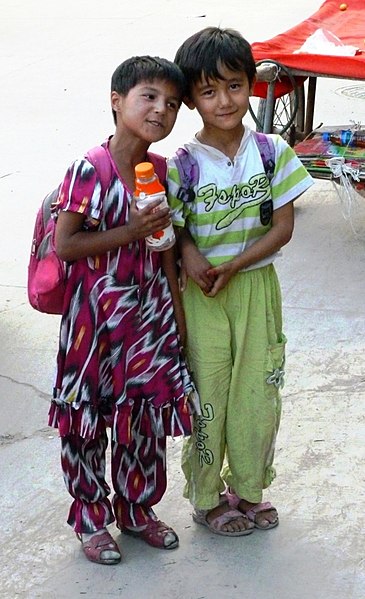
pixel 148 188
pixel 345 137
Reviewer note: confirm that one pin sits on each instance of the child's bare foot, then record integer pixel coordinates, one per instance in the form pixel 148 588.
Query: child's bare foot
pixel 100 547
pixel 224 520
pixel 263 515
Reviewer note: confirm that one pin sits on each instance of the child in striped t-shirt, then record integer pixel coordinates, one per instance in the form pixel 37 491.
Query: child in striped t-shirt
pixel 230 230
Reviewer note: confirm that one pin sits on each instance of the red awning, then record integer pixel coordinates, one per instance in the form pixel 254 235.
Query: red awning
pixel 348 25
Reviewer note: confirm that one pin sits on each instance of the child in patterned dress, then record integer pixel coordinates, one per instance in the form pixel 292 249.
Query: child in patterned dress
pixel 119 361
pixel 231 228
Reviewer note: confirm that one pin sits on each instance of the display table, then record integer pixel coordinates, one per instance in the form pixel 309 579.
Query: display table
pixel 343 164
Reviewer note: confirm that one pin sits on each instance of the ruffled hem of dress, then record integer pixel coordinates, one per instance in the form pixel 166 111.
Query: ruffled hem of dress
pixel 172 420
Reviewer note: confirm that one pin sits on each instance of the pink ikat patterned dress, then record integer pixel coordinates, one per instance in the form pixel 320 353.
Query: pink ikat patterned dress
pixel 119 359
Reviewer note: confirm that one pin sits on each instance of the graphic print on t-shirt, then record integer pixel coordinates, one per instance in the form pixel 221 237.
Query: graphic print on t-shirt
pixel 236 199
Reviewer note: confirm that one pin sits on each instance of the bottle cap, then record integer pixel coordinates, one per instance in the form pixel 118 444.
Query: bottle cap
pixel 144 170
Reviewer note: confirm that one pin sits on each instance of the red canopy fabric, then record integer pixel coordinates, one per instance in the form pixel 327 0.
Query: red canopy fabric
pixel 348 25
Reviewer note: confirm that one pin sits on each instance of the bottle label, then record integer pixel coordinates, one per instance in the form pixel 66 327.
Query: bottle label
pixel 144 199
pixel 160 240
pixel 150 197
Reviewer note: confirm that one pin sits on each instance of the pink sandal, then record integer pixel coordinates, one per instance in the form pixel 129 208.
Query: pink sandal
pixel 99 544
pixel 259 508
pixel 215 525
pixel 156 533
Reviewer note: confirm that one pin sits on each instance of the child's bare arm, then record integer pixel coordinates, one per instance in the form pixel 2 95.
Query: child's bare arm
pixel 73 243
pixel 278 236
pixel 169 266
pixel 193 263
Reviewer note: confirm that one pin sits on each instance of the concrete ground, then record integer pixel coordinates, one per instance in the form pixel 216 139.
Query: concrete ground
pixel 56 60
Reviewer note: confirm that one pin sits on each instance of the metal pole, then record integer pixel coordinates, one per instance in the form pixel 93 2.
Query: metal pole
pixel 269 108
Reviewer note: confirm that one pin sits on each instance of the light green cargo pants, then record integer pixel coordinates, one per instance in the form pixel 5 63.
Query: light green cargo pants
pixel 236 352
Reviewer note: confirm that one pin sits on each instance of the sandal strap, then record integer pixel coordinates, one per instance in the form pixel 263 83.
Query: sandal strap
pixel 154 533
pixel 226 518
pixel 103 542
pixel 233 499
pixel 258 509
pixel 157 526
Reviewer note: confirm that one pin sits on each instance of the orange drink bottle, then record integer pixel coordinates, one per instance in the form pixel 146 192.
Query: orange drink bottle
pixel 148 187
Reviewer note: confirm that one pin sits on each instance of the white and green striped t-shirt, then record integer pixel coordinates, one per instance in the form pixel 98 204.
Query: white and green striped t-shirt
pixel 224 218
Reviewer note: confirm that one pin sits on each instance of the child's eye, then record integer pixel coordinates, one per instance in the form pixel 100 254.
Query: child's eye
pixel 172 105
pixel 149 96
pixel 235 86
pixel 208 92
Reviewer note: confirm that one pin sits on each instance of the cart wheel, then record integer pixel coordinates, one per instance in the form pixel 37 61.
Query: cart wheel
pixel 287 121
pixel 288 110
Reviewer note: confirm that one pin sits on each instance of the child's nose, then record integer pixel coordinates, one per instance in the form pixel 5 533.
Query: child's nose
pixel 224 98
pixel 160 105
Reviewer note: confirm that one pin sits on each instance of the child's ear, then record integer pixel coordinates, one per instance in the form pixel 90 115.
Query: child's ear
pixel 115 100
pixel 188 102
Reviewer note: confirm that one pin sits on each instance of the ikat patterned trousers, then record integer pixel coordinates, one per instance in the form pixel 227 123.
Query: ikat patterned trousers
pixel 138 472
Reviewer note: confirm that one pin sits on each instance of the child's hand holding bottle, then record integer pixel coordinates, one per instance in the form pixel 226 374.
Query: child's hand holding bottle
pixel 148 188
pixel 146 221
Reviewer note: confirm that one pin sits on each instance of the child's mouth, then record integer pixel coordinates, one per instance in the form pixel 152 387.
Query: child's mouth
pixel 155 123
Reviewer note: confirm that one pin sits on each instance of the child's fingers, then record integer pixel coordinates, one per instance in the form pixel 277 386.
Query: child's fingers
pixel 212 292
pixel 150 218
pixel 183 279
pixel 209 276
pixel 149 207
pixel 212 272
pixel 204 283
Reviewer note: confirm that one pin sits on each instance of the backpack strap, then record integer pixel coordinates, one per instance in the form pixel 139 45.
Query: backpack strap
pixel 159 162
pixel 100 160
pixel 266 147
pixel 188 170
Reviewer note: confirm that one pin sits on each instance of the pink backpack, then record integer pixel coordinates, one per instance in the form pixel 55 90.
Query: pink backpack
pixel 46 271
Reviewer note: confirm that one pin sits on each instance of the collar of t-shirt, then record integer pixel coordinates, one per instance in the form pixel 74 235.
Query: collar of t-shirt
pixel 214 153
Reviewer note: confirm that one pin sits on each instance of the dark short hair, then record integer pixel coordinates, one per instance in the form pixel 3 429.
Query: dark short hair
pixel 202 53
pixel 146 68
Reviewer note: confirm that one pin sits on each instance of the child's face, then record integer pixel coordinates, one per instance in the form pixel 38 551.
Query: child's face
pixel 222 103
pixel 148 111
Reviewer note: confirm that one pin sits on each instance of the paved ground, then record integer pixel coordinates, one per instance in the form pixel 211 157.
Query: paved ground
pixel 56 61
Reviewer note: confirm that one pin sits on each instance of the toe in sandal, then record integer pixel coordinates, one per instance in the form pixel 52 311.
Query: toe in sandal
pixel 260 508
pixel 94 548
pixel 234 500
pixel 156 533
pixel 215 525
